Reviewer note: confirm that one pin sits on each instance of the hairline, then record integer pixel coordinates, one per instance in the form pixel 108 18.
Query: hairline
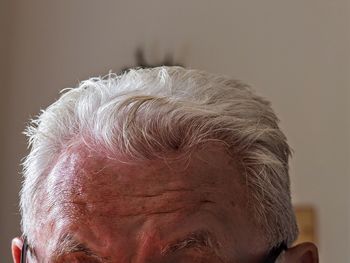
pixel 164 73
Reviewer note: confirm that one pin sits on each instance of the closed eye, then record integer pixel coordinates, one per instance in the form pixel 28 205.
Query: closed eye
pixel 77 257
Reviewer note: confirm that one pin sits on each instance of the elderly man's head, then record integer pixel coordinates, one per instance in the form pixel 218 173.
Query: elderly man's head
pixel 158 165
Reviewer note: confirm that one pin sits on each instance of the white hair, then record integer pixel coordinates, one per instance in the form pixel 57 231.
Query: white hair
pixel 146 113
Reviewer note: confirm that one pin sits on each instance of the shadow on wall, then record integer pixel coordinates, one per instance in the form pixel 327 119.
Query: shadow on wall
pixel 141 61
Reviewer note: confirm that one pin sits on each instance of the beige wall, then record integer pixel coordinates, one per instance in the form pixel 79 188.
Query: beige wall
pixel 296 53
pixel 9 180
pixel 4 47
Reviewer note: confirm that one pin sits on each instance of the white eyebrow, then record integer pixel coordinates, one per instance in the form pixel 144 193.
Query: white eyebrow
pixel 67 244
pixel 200 239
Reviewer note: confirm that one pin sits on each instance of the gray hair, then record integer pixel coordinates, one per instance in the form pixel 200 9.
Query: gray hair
pixel 146 113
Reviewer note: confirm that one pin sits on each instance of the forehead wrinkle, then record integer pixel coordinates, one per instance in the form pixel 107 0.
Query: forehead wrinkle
pixel 162 203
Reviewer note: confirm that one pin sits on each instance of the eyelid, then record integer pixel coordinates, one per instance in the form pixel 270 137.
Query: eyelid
pixel 78 257
pixel 193 255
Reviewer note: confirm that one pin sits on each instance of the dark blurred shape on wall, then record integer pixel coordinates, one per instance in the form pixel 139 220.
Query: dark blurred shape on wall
pixel 141 61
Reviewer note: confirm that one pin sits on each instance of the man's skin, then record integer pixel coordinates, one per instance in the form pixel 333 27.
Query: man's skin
pixel 159 211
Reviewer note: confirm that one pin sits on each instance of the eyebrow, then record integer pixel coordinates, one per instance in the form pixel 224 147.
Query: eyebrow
pixel 67 244
pixel 202 240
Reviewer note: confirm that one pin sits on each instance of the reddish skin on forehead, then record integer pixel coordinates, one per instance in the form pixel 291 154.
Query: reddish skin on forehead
pixel 130 211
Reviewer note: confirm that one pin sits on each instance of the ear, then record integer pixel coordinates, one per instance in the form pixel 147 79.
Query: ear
pixel 16 248
pixel 302 253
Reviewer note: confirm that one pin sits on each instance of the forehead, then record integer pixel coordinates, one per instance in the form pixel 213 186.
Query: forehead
pixel 95 197
pixel 88 184
pixel 81 173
